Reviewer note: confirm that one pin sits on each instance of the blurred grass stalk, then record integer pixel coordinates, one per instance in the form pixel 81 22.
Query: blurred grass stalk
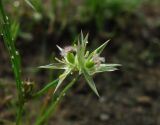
pixel 9 32
pixel 44 117
pixel 35 4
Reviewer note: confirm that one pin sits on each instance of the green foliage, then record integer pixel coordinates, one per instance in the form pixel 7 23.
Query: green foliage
pixel 9 33
pixel 68 15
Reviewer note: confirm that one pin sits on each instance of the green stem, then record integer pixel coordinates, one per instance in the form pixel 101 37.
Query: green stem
pixel 19 115
pixel 40 120
pixel 15 58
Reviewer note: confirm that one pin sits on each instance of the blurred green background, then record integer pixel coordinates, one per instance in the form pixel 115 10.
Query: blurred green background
pixel 130 96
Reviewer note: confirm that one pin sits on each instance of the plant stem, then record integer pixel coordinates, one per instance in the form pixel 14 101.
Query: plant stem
pixel 40 120
pixel 19 115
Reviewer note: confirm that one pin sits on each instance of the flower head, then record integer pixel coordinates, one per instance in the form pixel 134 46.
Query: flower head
pixel 76 58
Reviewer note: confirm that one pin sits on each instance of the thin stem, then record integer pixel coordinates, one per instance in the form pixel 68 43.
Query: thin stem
pixel 46 100
pixel 19 115
pixel 40 120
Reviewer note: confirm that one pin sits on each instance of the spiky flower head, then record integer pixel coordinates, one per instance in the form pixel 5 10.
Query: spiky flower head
pixel 76 58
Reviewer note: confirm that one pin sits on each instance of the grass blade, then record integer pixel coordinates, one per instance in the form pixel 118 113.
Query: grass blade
pixel 46 88
pixel 8 37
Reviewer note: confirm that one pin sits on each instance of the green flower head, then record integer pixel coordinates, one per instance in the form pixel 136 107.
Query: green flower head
pixel 77 58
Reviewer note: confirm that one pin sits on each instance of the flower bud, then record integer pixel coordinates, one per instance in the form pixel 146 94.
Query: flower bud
pixel 70 57
pixel 90 64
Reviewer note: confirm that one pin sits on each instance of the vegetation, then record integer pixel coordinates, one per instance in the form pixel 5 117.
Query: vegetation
pixel 32 30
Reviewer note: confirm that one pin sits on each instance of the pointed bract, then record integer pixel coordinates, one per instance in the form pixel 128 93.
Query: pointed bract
pixel 99 50
pixel 60 49
pixel 106 68
pixel 90 82
pixel 62 78
pixel 54 66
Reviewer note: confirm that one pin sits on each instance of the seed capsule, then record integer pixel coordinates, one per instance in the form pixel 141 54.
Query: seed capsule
pixel 28 87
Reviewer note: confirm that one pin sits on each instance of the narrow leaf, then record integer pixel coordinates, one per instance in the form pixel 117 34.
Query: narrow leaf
pixel 45 89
